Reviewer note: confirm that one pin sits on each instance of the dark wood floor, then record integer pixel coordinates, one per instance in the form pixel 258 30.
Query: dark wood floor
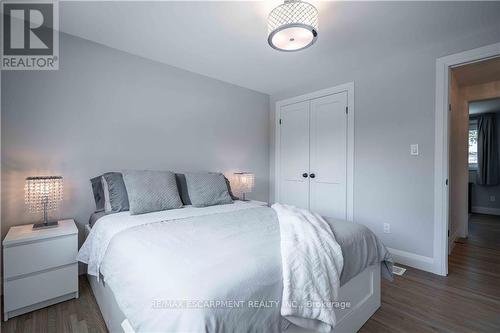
pixel 76 315
pixel 467 300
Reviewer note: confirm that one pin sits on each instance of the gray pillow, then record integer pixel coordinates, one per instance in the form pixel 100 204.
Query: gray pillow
pixel 98 192
pixel 118 197
pixel 183 190
pixel 229 190
pixel 151 191
pixel 207 189
pixel 182 186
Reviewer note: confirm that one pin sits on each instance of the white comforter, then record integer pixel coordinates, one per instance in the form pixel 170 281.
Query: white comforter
pixel 218 269
pixel 94 248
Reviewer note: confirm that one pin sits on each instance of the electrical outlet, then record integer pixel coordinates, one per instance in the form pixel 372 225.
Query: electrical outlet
pixel 387 228
pixel 492 198
pixel 414 149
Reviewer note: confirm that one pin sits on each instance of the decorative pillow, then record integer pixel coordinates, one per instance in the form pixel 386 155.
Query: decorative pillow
pixel 115 193
pixel 98 192
pixel 151 191
pixel 183 190
pixel 207 189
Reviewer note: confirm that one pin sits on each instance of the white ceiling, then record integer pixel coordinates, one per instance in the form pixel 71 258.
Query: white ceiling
pixel 227 40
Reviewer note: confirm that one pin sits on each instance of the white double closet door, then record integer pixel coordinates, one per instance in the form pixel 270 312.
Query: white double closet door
pixel 313 155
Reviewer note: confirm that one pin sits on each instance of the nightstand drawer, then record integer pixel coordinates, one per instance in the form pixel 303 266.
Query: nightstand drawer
pixel 40 287
pixel 39 255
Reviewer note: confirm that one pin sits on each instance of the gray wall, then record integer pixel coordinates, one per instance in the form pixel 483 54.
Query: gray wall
pixel 481 194
pixel 394 107
pixel 108 110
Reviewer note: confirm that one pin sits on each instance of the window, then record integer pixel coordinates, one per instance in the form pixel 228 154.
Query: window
pixel 473 145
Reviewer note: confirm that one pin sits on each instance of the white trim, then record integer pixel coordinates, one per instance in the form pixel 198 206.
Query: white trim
pixel 347 87
pixel 485 210
pixel 441 163
pixel 412 259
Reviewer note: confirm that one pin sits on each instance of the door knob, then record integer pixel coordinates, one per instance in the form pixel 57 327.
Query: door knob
pixel 304 175
pixel 312 175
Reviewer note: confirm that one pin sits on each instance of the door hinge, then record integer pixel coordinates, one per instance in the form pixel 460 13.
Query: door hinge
pixel 448 232
pixel 449 107
pixel 346 110
pixel 280 121
pixel 446 181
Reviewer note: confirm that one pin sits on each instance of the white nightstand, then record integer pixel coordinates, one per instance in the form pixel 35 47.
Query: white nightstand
pixel 39 267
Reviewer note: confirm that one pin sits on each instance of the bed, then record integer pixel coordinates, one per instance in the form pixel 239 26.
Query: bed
pixel 158 268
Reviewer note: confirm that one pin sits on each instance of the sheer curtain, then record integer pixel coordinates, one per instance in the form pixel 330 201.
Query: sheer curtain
pixel 487 151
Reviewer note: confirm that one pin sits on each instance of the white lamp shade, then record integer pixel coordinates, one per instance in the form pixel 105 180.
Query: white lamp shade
pixel 43 191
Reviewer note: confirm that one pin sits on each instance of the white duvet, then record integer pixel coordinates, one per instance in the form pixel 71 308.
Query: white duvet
pixel 94 248
pixel 229 268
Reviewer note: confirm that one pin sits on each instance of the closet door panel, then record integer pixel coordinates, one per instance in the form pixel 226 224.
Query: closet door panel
pixel 328 155
pixel 294 155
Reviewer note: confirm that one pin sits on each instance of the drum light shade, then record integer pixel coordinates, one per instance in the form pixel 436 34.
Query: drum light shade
pixel 293 26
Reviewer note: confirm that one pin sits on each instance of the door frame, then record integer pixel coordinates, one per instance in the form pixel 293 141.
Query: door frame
pixel 346 87
pixel 441 146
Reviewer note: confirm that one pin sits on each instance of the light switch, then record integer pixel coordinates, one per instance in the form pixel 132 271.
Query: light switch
pixel 414 149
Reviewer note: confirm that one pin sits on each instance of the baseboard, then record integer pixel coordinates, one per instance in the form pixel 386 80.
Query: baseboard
pixel 413 260
pixel 485 210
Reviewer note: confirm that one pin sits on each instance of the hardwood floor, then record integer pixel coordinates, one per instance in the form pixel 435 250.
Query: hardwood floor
pixel 467 300
pixel 80 315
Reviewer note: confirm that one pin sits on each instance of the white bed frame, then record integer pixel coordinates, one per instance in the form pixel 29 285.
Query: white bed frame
pixel 362 291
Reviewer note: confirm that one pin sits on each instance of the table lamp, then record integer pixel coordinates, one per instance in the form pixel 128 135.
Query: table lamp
pixel 42 194
pixel 245 182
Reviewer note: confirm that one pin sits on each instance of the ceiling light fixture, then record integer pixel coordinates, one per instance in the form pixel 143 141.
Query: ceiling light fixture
pixel 293 26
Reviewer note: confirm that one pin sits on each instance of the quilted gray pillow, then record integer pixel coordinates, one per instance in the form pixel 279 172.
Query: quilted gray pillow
pixel 207 189
pixel 151 191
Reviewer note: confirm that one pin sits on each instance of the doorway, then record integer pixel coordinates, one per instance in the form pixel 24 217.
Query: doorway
pixel 442 169
pixel 474 149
